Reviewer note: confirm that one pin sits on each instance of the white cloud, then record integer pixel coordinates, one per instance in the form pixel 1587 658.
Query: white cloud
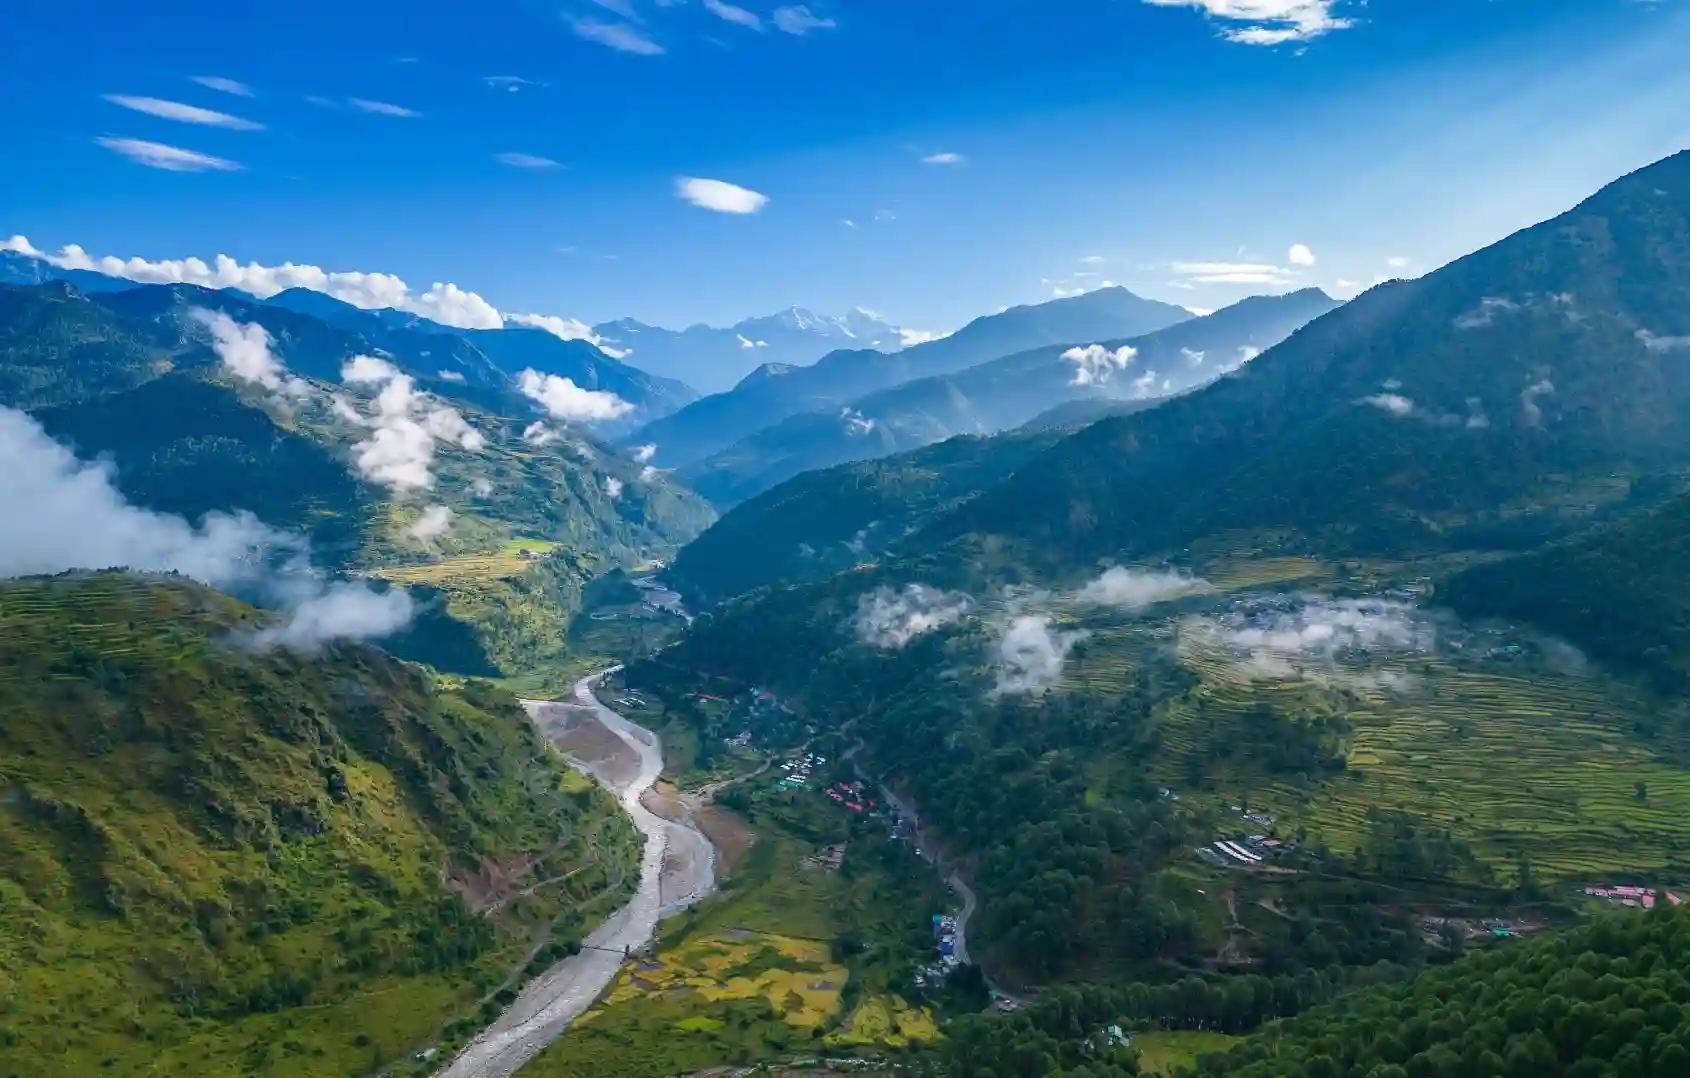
pixel 509 83
pixel 1394 403
pixel 481 487
pixel 450 376
pixel 1397 262
pixel 891 619
pixel 944 159
pixel 404 425
pixel 431 524
pixel 188 114
pixel 565 400
pixel 719 195
pixel 569 329
pixel 243 349
pixel 613 486
pixel 526 160
pixel 340 611
pixel 645 454
pixel 1485 313
pixel 1095 365
pixel 908 337
pixel 62 513
pixel 1093 260
pixel 1315 638
pixel 223 85
pixel 1134 589
pixel 734 14
pixel 855 423
pixel 1030 655
pixel 1529 397
pixel 382 108
pixel 168 158
pixel 1657 343
pixel 539 433
pixel 367 370
pixel 444 303
pixel 616 35
pixel 1233 273
pixel 799 19
pixel 1300 255
pixel 1268 22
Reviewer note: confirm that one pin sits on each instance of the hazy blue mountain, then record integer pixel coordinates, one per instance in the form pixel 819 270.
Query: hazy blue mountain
pixel 1003 393
pixel 774 392
pixel 714 359
pixel 1496 402
pixel 21 269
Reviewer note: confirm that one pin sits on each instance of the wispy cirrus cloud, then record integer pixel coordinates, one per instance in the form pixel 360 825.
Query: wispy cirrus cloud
pixel 946 158
pixel 734 14
pixel 798 19
pixel 1268 22
pixel 168 158
pixel 526 160
pixel 223 85
pixel 719 195
pixel 382 108
pixel 621 36
pixel 183 113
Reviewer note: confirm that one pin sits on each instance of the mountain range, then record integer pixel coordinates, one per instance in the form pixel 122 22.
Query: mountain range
pixel 1117 375
pixel 775 392
pixel 715 359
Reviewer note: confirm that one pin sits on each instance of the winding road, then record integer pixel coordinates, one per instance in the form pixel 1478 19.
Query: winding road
pixel 677 868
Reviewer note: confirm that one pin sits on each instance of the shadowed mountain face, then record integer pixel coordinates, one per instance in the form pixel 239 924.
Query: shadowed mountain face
pixel 1123 375
pixel 714 359
pixel 775 392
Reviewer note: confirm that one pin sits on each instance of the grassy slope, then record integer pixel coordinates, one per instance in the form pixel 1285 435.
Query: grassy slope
pixel 217 862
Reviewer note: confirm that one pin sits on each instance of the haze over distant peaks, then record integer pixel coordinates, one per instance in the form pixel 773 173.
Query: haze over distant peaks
pixel 713 359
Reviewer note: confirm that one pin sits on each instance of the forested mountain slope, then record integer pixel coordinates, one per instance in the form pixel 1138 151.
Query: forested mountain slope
pixel 1006 392
pixel 220 860
pixel 1497 401
pixel 137 377
pixel 774 392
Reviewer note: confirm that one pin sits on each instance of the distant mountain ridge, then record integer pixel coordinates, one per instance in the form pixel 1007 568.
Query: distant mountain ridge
pixel 714 359
pixel 773 393
pixel 1003 393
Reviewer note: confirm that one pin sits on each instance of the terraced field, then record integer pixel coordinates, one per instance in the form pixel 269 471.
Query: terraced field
pixel 1514 755
pixel 506 562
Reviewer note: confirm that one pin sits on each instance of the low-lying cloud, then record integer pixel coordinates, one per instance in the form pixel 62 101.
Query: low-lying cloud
pixel 1315 638
pixel 63 513
pixel 404 424
pixel 244 350
pixel 1030 655
pixel 563 399
pixel 1095 365
pixel 1134 589
pixel 890 619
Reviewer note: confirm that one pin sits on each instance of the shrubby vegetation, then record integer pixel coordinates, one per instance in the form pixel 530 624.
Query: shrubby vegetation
pixel 211 854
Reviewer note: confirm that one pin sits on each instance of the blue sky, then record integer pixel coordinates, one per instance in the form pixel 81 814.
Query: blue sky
pixel 1144 142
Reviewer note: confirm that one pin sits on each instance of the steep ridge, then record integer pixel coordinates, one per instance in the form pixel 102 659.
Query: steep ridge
pixel 221 860
pixel 1007 392
pixel 774 392
pixel 1497 401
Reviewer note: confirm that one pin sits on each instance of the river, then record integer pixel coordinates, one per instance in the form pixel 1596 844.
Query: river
pixel 677 868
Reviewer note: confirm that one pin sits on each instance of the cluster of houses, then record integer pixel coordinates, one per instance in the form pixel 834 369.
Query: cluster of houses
pixel 945 933
pixel 798 771
pixel 1639 897
pixel 850 795
pixel 1248 851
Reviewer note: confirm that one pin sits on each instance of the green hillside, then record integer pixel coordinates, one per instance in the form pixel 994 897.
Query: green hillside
pixel 215 861
pixel 130 376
